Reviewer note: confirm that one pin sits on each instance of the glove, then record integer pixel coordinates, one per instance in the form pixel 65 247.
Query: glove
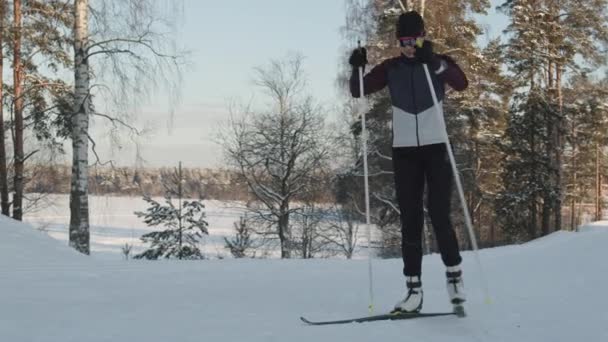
pixel 425 53
pixel 358 58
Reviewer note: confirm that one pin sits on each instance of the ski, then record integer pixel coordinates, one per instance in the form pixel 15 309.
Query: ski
pixel 390 316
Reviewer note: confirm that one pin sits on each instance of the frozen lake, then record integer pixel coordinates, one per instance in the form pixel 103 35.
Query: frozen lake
pixel 114 224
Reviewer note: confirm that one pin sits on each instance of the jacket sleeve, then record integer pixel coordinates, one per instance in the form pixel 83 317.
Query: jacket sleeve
pixel 374 81
pixel 452 74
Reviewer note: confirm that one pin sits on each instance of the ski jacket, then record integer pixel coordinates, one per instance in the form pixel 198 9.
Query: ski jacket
pixel 415 121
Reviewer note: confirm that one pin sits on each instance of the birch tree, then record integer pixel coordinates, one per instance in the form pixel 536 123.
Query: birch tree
pixel 79 202
pixel 124 47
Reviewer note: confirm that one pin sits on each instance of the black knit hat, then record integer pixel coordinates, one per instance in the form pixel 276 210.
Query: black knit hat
pixel 410 24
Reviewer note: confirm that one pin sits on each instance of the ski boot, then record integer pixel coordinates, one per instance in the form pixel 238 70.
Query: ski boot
pixel 412 303
pixel 455 288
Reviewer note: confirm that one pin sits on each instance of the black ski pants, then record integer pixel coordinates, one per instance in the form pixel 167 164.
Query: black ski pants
pixel 412 167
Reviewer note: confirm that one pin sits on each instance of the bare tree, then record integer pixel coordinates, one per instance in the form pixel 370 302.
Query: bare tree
pixel 126 250
pixel 131 54
pixel 280 151
pixel 342 229
pixel 308 238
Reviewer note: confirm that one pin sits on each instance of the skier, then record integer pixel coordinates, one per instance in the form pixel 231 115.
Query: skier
pixel 419 150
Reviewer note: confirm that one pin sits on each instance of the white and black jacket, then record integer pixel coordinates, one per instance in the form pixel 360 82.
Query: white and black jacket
pixel 415 121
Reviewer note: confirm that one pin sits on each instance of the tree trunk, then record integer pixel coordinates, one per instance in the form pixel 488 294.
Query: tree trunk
pixel 548 201
pixel 79 203
pixel 550 147
pixel 180 195
pixel 574 179
pixel 18 110
pixel 598 185
pixel 573 202
pixel 546 218
pixel 4 201
pixel 533 221
pixel 284 234
pixel 492 235
pixel 550 76
pixel 558 150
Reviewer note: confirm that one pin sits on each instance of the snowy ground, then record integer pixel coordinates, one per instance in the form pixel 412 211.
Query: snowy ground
pixel 113 223
pixel 552 289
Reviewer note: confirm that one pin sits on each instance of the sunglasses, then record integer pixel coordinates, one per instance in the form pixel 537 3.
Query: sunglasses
pixel 411 41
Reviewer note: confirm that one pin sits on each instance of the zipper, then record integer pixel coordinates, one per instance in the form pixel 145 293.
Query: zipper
pixel 415 107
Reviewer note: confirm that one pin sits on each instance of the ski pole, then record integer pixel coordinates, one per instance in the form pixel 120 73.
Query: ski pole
pixel 465 209
pixel 365 175
pixel 402 7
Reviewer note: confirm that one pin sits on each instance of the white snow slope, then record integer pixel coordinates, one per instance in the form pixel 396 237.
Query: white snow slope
pixel 553 289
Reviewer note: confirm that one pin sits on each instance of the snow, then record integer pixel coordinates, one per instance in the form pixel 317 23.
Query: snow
pixel 113 223
pixel 551 289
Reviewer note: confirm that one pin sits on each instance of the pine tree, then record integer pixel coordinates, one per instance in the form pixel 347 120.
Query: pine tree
pixel 242 242
pixel 4 190
pixel 37 37
pixel 185 226
pixel 586 113
pixel 18 154
pixel 47 97
pixel 546 37
pixel 185 223
pixel 527 168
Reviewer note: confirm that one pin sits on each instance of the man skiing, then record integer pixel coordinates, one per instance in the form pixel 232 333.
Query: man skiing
pixel 419 150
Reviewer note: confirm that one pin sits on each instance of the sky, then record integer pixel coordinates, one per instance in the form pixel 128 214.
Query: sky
pixel 226 40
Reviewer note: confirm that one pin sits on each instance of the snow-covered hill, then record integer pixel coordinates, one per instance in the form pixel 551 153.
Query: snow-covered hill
pixel 552 289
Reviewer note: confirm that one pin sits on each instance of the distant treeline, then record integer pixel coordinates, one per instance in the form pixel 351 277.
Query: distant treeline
pixel 129 181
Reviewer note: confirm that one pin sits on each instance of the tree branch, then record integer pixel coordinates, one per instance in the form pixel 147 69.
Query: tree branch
pixel 115 120
pixel 98 160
